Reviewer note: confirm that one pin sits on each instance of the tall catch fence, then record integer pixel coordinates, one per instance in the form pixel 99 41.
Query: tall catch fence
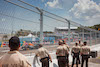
pixel 34 25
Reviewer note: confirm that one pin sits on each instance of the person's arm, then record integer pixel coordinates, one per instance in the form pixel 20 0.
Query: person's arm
pixel 35 59
pixel 24 62
pixel 80 51
pixel 71 51
pixel 48 55
pixel 89 50
pixel 67 52
pixel 68 48
pixel 28 64
pixel 57 51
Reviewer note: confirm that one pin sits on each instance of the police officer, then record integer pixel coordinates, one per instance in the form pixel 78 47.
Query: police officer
pixel 85 51
pixel 44 56
pixel 13 58
pixel 62 53
pixel 75 51
pixel 64 42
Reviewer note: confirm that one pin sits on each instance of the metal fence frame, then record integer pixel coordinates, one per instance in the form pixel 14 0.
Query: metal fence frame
pixel 69 22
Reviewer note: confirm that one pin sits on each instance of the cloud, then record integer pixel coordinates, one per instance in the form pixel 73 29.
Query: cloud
pixel 3 19
pixel 61 4
pixel 93 21
pixel 87 10
pixel 42 0
pixel 54 4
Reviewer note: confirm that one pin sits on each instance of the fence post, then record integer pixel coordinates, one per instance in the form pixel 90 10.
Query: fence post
pixel 41 28
pixel 41 25
pixel 83 34
pixel 95 38
pixel 90 39
pixel 68 31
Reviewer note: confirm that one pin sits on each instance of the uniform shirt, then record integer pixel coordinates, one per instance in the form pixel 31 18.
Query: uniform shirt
pixel 42 52
pixel 67 47
pixel 76 49
pixel 14 59
pixel 62 50
pixel 85 50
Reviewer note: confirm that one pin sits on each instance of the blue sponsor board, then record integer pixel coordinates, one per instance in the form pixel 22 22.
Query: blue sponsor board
pixel 0 44
pixel 25 39
pixel 49 38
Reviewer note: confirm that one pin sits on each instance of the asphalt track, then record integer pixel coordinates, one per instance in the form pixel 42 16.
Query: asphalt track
pixel 54 60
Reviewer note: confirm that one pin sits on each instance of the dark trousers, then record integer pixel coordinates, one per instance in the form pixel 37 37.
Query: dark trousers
pixel 67 58
pixel 75 56
pixel 85 58
pixel 62 61
pixel 79 59
pixel 45 62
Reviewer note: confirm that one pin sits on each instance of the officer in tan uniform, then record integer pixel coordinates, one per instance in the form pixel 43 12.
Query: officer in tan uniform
pixel 85 51
pixel 13 58
pixel 76 52
pixel 62 53
pixel 44 56
pixel 64 42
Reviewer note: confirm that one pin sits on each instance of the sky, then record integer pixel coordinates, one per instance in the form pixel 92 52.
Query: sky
pixel 85 12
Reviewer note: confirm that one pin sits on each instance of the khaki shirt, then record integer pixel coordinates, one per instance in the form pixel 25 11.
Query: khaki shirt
pixel 42 52
pixel 62 50
pixel 67 47
pixel 76 49
pixel 14 59
pixel 85 50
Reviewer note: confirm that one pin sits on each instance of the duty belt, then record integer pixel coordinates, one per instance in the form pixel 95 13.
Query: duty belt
pixel 61 57
pixel 85 56
pixel 45 58
pixel 76 54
